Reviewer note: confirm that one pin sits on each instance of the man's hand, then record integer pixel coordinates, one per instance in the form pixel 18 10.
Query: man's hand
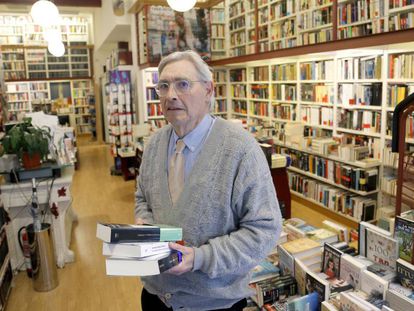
pixel 139 221
pixel 187 261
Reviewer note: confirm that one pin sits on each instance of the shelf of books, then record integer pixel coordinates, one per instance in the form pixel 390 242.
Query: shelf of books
pixel 361 18
pixel 81 89
pixel 314 22
pixel 218 41
pixel 242 27
pixel 153 115
pixel 35 63
pixel 18 29
pixel 335 124
pixel 220 92
pixel 32 96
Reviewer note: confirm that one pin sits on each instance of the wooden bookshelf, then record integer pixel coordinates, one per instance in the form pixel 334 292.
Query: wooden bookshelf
pixel 294 84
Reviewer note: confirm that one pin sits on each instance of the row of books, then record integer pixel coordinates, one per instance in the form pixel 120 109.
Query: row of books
pixel 396 93
pixel 365 121
pixel 360 94
pixel 360 68
pixel 350 177
pixel 318 93
pixel 346 203
pixel 317 115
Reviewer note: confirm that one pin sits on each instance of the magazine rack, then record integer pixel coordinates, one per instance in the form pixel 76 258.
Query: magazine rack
pixel 405 181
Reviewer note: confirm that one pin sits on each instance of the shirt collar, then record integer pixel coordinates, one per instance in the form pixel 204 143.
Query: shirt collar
pixel 194 139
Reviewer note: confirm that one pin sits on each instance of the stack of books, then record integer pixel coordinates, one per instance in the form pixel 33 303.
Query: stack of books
pixel 138 250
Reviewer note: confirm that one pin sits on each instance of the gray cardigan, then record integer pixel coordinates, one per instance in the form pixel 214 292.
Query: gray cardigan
pixel 228 211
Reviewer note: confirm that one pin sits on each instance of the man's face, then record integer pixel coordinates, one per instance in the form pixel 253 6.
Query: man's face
pixel 184 109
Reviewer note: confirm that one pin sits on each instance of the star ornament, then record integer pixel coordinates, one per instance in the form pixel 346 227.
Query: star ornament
pixel 61 192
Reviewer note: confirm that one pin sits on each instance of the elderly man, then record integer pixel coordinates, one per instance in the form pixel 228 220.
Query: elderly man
pixel 211 178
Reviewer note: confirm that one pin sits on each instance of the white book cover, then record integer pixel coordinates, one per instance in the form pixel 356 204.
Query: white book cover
pixel 351 271
pixel 371 283
pixel 362 227
pixel 381 249
pixel 151 265
pixel 134 249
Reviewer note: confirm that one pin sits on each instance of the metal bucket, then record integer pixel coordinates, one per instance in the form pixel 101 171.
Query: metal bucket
pixel 42 256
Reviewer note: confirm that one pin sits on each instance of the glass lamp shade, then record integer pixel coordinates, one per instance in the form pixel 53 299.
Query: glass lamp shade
pixel 52 35
pixel 44 13
pixel 181 5
pixel 56 48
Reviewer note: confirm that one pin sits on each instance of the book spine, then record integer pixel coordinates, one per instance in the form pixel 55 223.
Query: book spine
pixel 135 235
pixel 172 260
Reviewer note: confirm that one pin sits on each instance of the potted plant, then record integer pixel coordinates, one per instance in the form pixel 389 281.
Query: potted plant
pixel 31 144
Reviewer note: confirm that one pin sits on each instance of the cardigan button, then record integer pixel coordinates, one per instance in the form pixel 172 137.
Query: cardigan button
pixel 167 296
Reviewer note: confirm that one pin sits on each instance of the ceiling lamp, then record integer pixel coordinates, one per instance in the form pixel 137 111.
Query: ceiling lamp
pixel 181 5
pixel 56 48
pixel 52 35
pixel 45 13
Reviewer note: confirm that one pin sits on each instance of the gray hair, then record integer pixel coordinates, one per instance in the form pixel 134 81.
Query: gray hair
pixel 204 71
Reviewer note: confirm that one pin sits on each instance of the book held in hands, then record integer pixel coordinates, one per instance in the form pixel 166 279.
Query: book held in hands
pixel 117 233
pixel 134 249
pixel 138 250
pixel 151 265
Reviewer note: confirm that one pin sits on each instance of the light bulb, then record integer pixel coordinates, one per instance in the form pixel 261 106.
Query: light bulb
pixel 181 5
pixel 45 13
pixel 52 35
pixel 56 48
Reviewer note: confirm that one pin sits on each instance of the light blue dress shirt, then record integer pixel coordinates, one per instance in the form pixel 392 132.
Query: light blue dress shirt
pixel 194 142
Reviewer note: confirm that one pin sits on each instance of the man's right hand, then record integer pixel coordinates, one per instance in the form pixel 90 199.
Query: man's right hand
pixel 139 221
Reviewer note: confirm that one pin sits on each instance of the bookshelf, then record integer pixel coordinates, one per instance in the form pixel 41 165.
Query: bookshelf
pixel 36 63
pixel 30 96
pixel 352 105
pixel 242 26
pixel 284 97
pixel 153 111
pixel 81 89
pixel 218 41
pixel 360 18
pixel 13 63
pixel 19 29
pixel 314 21
pixel 18 98
pixel 220 92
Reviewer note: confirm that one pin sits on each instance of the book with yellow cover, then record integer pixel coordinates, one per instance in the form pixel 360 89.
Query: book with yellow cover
pixel 302 248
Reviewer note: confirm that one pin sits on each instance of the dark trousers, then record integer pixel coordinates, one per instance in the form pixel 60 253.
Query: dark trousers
pixel 150 302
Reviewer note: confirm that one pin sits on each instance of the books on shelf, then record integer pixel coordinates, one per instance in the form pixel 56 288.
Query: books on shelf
pixel 116 233
pixel 151 265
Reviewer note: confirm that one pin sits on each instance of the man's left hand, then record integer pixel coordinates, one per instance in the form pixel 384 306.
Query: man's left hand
pixel 187 262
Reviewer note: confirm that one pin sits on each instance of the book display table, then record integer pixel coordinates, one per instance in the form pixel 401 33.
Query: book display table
pixel 16 198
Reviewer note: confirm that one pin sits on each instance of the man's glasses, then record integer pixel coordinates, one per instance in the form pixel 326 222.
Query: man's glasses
pixel 180 86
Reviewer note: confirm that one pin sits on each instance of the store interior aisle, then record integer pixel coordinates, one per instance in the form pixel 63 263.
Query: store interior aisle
pixel 83 285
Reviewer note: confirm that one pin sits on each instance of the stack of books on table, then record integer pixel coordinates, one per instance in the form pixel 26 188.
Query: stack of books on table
pixel 138 250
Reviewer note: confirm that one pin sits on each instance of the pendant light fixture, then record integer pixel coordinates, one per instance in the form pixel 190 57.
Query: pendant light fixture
pixel 44 13
pixel 181 5
pixel 56 48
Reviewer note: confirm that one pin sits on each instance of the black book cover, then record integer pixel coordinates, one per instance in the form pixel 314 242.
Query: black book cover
pixel 117 233
pixel 172 260
pixel 376 94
